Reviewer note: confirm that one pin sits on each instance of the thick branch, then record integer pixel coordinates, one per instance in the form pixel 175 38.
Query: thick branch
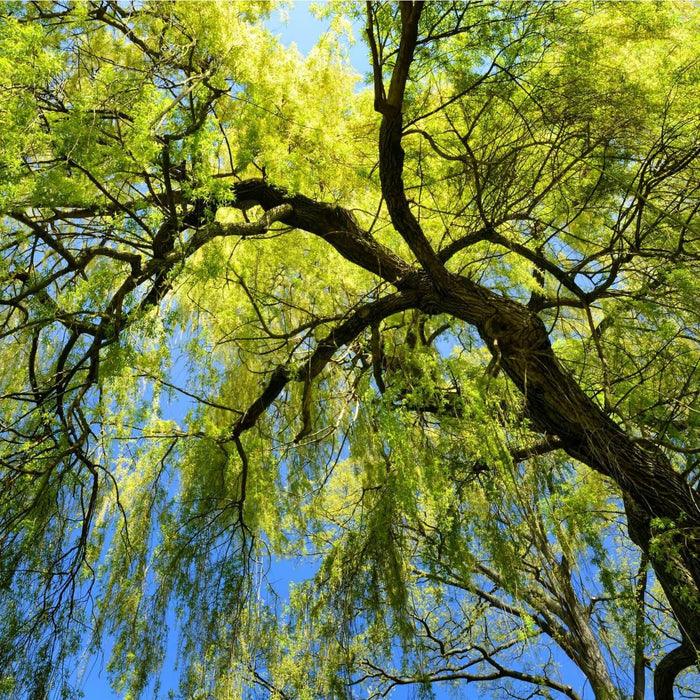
pixel 558 406
pixel 362 318
pixel 670 666
pixel 391 153
pixel 333 224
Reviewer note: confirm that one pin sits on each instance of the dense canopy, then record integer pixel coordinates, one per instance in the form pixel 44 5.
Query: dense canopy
pixel 431 334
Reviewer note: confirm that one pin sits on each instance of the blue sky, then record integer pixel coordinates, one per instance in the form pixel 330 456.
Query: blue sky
pixel 303 29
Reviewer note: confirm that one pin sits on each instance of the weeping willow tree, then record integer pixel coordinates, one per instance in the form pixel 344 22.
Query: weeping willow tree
pixel 433 334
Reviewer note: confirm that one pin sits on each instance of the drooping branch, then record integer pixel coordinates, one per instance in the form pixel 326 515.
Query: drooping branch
pixel 363 317
pixel 555 402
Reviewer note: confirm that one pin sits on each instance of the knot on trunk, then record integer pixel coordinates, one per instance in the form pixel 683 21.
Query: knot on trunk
pixel 516 334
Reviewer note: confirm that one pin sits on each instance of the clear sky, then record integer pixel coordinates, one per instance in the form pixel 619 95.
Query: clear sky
pixel 303 29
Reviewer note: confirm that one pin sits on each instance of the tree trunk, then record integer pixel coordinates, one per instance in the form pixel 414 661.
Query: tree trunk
pixel 663 512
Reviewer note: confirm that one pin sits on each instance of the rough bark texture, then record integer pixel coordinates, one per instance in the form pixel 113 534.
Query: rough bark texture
pixel 670 666
pixel 663 511
pixel 556 404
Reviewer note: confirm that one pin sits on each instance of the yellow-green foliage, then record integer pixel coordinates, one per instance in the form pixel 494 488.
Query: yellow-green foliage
pixel 429 517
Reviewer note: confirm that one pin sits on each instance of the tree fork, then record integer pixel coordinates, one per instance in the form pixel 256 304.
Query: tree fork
pixel 556 403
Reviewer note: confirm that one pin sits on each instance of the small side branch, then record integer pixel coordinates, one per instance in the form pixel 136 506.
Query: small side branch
pixel 243 229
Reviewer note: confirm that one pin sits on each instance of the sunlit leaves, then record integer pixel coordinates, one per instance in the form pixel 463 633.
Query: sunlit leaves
pixel 549 148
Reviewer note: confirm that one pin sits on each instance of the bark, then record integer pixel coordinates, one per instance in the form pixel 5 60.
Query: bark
pixel 670 666
pixel 333 224
pixel 656 496
pixel 591 660
pixel 639 631
pixel 663 511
